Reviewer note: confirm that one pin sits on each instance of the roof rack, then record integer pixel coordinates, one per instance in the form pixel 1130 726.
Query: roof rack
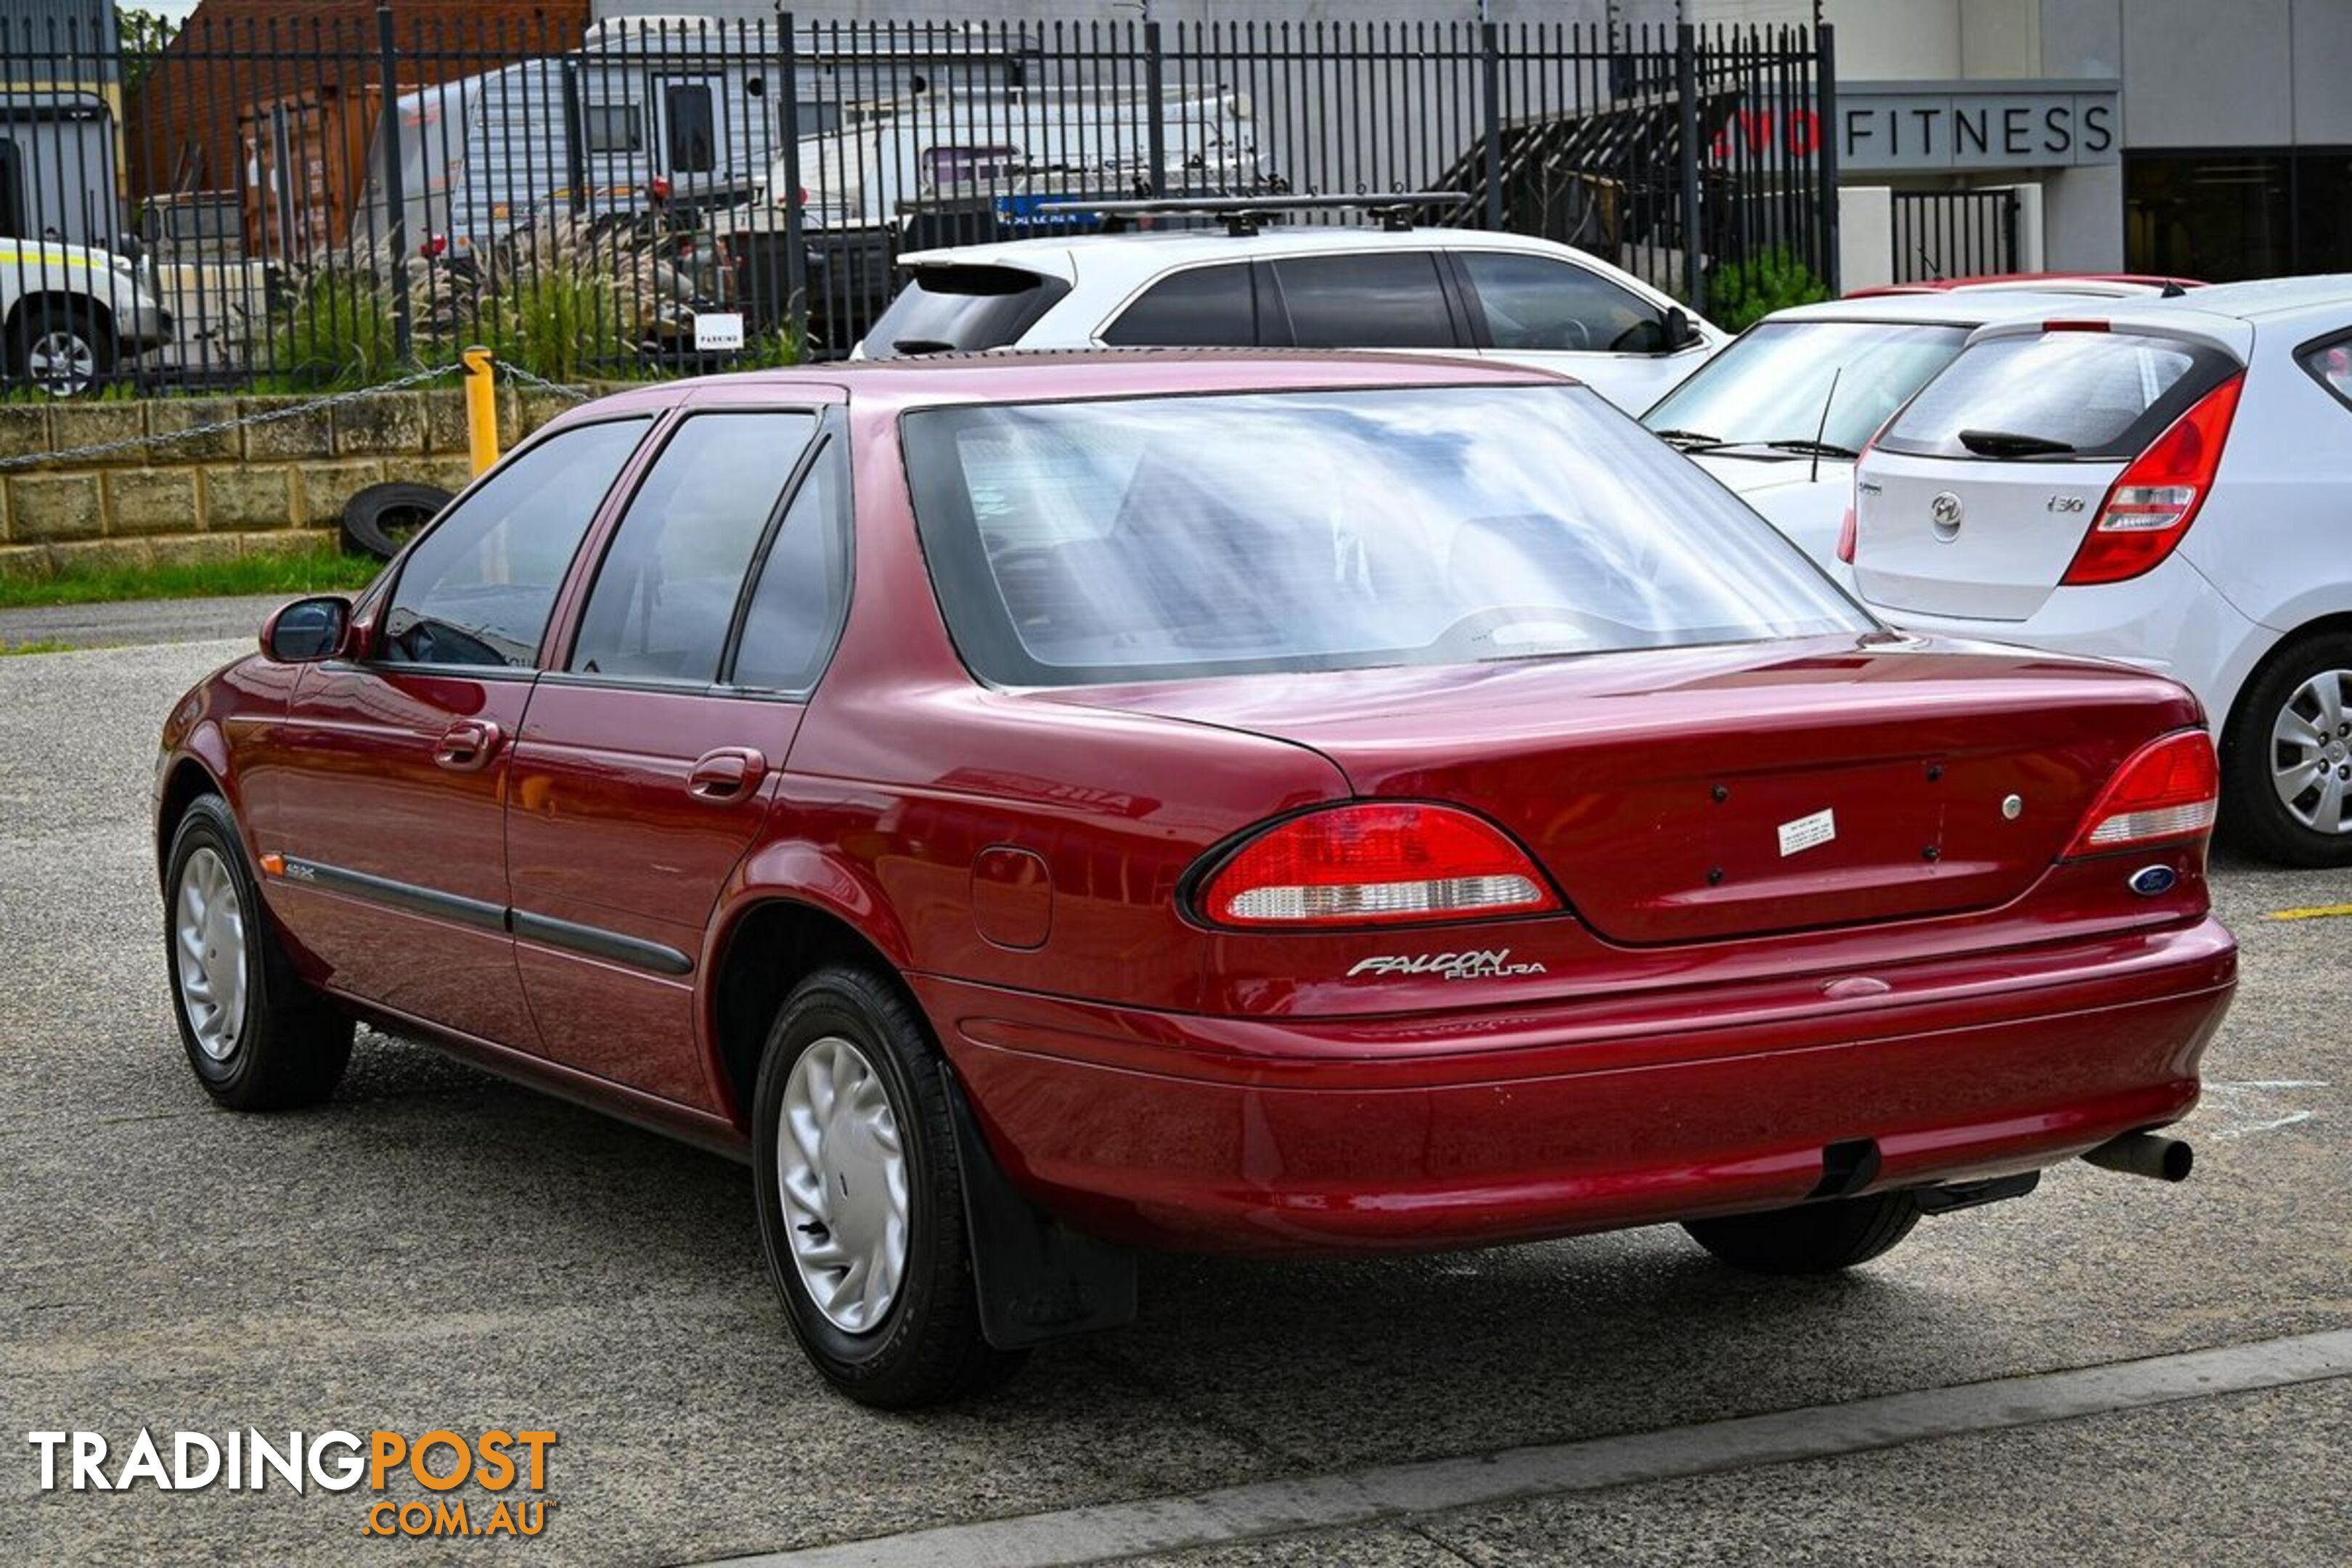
pixel 1240 214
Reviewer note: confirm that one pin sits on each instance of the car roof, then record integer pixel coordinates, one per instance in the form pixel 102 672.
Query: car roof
pixel 2269 298
pixel 1165 248
pixel 1973 307
pixel 1035 376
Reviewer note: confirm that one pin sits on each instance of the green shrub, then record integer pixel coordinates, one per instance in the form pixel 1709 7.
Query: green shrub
pixel 337 332
pixel 1744 292
pixel 563 323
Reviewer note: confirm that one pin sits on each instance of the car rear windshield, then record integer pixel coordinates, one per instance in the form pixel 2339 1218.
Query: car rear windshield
pixel 1154 538
pixel 2057 395
pixel 947 309
pixel 1795 382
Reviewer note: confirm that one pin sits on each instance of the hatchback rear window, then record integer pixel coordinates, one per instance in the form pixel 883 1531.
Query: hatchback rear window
pixel 943 310
pixel 1152 538
pixel 2057 395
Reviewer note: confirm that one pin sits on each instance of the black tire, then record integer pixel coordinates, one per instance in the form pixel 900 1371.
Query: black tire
pixel 1812 1238
pixel 2254 817
pixel 927 1347
pixel 289 1045
pixel 37 321
pixel 378 520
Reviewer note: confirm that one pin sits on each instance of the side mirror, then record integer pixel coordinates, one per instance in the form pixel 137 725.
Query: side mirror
pixel 1679 332
pixel 307 630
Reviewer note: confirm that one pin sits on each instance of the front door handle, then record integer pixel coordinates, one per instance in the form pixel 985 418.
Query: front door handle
pixel 727 775
pixel 467 745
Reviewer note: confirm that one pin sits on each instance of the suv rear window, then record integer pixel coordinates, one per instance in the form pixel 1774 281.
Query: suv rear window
pixel 2057 395
pixel 944 310
pixel 1161 537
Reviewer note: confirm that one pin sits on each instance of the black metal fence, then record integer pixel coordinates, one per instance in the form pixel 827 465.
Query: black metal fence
pixel 1954 233
pixel 316 203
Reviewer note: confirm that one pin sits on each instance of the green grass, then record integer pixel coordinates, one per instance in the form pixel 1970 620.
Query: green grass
pixel 43 645
pixel 319 573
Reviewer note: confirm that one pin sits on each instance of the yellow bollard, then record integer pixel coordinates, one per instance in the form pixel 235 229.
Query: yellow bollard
pixel 481 409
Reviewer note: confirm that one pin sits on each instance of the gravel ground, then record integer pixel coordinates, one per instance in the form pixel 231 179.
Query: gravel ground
pixel 436 1249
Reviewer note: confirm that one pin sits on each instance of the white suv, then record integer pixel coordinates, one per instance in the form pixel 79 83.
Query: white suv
pixel 71 314
pixel 2168 483
pixel 1447 291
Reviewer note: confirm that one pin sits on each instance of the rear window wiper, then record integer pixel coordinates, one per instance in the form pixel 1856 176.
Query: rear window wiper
pixel 1688 440
pixel 1809 448
pixel 921 346
pixel 2011 444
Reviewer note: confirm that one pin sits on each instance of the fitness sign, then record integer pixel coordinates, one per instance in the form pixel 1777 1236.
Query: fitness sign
pixel 481 1484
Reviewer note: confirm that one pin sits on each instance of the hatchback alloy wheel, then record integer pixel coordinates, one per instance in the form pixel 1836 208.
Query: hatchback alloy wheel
pixel 2311 753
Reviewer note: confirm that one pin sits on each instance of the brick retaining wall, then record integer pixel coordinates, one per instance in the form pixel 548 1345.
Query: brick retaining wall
pixel 276 487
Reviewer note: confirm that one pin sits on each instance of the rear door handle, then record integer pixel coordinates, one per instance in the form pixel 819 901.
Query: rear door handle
pixel 727 775
pixel 467 745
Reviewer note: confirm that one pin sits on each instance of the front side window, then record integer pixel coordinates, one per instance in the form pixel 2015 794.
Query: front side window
pixel 1789 383
pixel 666 593
pixel 1372 300
pixel 2057 395
pixel 1534 304
pixel 479 588
pixel 1200 307
pixel 1155 538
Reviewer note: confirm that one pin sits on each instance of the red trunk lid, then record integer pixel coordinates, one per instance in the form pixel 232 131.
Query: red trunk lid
pixel 1694 795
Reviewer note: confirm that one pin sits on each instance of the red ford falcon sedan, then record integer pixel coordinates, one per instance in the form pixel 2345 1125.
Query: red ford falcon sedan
pixel 1034 808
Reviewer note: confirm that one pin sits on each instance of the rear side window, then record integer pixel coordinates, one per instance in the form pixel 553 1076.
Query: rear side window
pixel 1374 300
pixel 1202 307
pixel 2330 365
pixel 803 584
pixel 666 593
pixel 947 310
pixel 2058 395
pixel 1533 303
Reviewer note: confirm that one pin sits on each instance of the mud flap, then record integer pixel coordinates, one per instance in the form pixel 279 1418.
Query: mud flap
pixel 1037 1278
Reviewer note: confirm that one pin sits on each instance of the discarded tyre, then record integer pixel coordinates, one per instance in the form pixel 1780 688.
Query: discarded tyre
pixel 378 520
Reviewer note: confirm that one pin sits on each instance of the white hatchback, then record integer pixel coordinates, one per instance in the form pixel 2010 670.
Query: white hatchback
pixel 1780 415
pixel 1449 291
pixel 2167 483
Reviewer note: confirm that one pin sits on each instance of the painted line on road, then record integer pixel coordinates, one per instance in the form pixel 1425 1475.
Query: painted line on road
pixel 1384 1492
pixel 2317 912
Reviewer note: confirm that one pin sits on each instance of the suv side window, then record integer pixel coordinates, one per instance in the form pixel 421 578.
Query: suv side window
pixel 1534 304
pixel 666 590
pixel 803 584
pixel 1200 307
pixel 1367 299
pixel 479 588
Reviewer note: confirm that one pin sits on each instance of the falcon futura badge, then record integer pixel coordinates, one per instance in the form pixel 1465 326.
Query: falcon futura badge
pixel 1492 963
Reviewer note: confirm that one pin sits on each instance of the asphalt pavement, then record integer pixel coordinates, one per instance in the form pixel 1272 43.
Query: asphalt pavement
pixel 132 622
pixel 433 1249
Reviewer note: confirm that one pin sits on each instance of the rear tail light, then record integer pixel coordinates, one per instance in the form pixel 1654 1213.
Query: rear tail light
pixel 2166 792
pixel 1850 527
pixel 2155 500
pixel 1846 531
pixel 1373 864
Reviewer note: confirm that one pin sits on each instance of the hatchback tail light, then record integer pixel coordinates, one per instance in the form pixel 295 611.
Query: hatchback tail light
pixel 1373 864
pixel 2166 792
pixel 2155 500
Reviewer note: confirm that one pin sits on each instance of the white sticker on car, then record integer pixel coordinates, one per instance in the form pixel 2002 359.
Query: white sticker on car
pixel 1808 831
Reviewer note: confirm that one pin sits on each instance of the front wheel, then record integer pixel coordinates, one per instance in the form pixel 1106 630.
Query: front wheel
pixel 860 1196
pixel 66 352
pixel 2286 759
pixel 258 1037
pixel 1812 1238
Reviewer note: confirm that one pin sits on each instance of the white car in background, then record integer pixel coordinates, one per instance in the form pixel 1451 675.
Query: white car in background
pixel 2168 483
pixel 1452 290
pixel 1780 415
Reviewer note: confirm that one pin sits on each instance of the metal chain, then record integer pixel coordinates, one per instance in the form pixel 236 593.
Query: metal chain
pixel 217 426
pixel 516 371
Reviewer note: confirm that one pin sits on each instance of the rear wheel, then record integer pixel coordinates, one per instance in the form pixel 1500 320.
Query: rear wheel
pixel 2286 756
pixel 1812 1238
pixel 861 1197
pixel 258 1037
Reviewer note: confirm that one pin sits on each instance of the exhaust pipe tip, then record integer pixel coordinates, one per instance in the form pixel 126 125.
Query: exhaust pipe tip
pixel 2147 1154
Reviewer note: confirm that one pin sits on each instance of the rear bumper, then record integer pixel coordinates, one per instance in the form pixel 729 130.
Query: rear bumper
pixel 1444 1130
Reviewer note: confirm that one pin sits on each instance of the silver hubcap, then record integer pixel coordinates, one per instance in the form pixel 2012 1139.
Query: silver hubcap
pixel 208 933
pixel 62 361
pixel 843 1179
pixel 2311 751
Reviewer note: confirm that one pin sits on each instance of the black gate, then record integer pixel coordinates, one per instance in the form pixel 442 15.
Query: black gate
pixel 1954 233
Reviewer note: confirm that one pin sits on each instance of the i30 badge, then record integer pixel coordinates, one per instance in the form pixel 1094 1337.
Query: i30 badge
pixel 1943 511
